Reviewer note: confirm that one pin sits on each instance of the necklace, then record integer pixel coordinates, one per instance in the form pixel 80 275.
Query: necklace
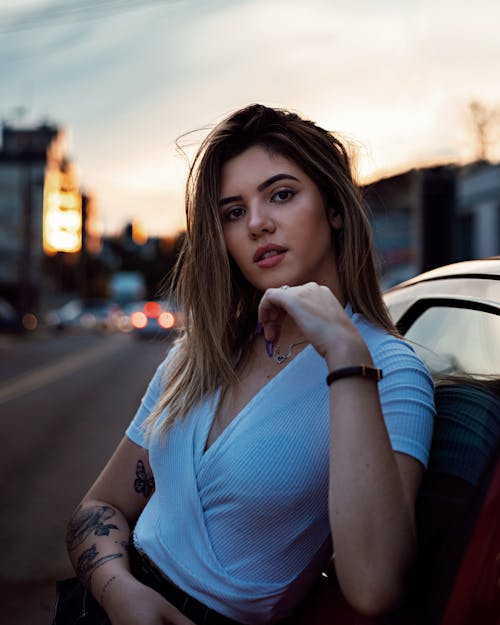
pixel 279 358
pixel 274 350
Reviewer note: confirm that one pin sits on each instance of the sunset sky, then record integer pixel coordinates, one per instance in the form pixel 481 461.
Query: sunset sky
pixel 127 77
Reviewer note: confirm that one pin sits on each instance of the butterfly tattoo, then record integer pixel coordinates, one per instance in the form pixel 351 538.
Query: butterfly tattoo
pixel 144 483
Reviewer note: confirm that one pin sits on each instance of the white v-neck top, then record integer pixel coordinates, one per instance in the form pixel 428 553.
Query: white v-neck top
pixel 243 526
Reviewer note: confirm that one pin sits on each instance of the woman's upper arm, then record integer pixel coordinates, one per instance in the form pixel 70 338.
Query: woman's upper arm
pixel 411 471
pixel 126 482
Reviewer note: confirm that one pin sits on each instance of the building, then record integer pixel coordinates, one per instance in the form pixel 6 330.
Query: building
pixel 428 217
pixel 478 207
pixel 22 171
pixel 42 211
pixel 393 204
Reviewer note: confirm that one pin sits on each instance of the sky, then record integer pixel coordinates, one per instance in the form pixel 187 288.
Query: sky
pixel 127 78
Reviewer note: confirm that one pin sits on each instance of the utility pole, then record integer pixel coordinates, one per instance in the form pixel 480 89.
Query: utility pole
pixel 25 252
pixel 436 218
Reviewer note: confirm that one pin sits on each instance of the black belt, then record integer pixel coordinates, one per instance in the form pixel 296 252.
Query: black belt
pixel 146 572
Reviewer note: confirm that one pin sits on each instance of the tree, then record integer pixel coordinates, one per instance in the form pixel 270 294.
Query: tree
pixel 484 122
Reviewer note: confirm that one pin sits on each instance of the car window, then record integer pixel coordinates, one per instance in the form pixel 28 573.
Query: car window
pixel 457 340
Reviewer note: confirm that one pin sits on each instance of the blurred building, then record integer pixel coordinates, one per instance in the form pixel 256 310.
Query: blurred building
pixel 424 218
pixel 132 250
pixel 393 204
pixel 478 211
pixel 22 172
pixel 42 211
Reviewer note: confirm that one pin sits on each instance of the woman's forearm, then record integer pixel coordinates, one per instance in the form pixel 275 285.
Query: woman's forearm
pixel 371 519
pixel 96 540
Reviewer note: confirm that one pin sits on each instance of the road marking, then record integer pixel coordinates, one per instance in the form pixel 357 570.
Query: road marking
pixel 29 382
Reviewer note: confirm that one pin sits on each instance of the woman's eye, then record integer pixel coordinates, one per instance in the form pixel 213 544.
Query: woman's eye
pixel 282 196
pixel 234 213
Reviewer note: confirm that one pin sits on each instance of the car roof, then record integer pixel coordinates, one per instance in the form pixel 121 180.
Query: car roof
pixel 486 268
pixel 471 280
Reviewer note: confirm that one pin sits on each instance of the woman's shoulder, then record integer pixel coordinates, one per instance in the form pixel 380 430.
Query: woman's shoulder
pixel 376 337
pixel 172 353
pixel 163 370
pixel 393 354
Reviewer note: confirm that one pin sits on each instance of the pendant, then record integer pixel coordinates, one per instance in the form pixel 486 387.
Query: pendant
pixel 279 359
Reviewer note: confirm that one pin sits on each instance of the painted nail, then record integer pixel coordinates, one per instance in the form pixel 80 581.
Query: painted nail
pixel 269 348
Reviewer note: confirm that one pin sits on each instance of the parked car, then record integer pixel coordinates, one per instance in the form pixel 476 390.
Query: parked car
pixel 451 316
pixel 10 320
pixel 86 315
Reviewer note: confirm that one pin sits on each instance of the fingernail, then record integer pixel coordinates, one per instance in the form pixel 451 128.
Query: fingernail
pixel 269 348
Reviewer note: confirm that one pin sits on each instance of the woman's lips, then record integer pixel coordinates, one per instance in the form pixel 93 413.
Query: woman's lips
pixel 272 260
pixel 269 255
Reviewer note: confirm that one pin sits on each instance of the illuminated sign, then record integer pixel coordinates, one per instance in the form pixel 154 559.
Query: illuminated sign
pixel 139 233
pixel 62 221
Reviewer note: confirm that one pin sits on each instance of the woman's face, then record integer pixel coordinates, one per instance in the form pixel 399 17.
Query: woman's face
pixel 275 222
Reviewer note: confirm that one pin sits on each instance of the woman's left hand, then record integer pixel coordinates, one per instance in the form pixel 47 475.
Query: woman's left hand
pixel 316 312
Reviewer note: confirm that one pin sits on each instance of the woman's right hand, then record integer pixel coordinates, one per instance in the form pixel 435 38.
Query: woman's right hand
pixel 129 602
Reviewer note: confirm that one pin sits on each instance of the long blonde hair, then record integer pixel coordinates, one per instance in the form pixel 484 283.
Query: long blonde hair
pixel 219 303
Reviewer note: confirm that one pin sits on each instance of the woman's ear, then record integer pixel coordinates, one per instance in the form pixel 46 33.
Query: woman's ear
pixel 335 218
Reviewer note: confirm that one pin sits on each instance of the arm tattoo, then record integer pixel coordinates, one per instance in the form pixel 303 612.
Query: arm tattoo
pixel 144 481
pixel 88 520
pixel 105 587
pixel 87 563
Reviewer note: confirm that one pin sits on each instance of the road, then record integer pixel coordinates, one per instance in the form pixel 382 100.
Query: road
pixel 65 401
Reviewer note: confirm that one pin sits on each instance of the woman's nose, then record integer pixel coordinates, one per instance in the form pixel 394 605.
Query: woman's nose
pixel 260 221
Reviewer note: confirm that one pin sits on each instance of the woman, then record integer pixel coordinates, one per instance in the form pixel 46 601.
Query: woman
pixel 241 462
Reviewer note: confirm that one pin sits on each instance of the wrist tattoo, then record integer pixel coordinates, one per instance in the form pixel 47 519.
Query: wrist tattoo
pixel 88 562
pixel 87 520
pixel 144 482
pixel 105 587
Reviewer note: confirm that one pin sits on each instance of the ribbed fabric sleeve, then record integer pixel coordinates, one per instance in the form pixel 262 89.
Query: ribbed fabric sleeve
pixel 243 526
pixel 406 391
pixel 136 430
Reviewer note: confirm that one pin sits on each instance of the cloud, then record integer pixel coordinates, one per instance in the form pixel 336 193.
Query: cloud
pixel 385 73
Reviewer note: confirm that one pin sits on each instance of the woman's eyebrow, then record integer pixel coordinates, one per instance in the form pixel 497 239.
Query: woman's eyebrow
pixel 274 179
pixel 229 199
pixel 261 187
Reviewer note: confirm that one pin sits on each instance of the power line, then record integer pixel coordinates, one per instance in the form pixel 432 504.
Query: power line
pixel 64 13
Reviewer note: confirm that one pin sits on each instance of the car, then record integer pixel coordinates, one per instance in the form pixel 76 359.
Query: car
pixel 10 320
pixel 151 319
pixel 451 316
pixel 92 314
